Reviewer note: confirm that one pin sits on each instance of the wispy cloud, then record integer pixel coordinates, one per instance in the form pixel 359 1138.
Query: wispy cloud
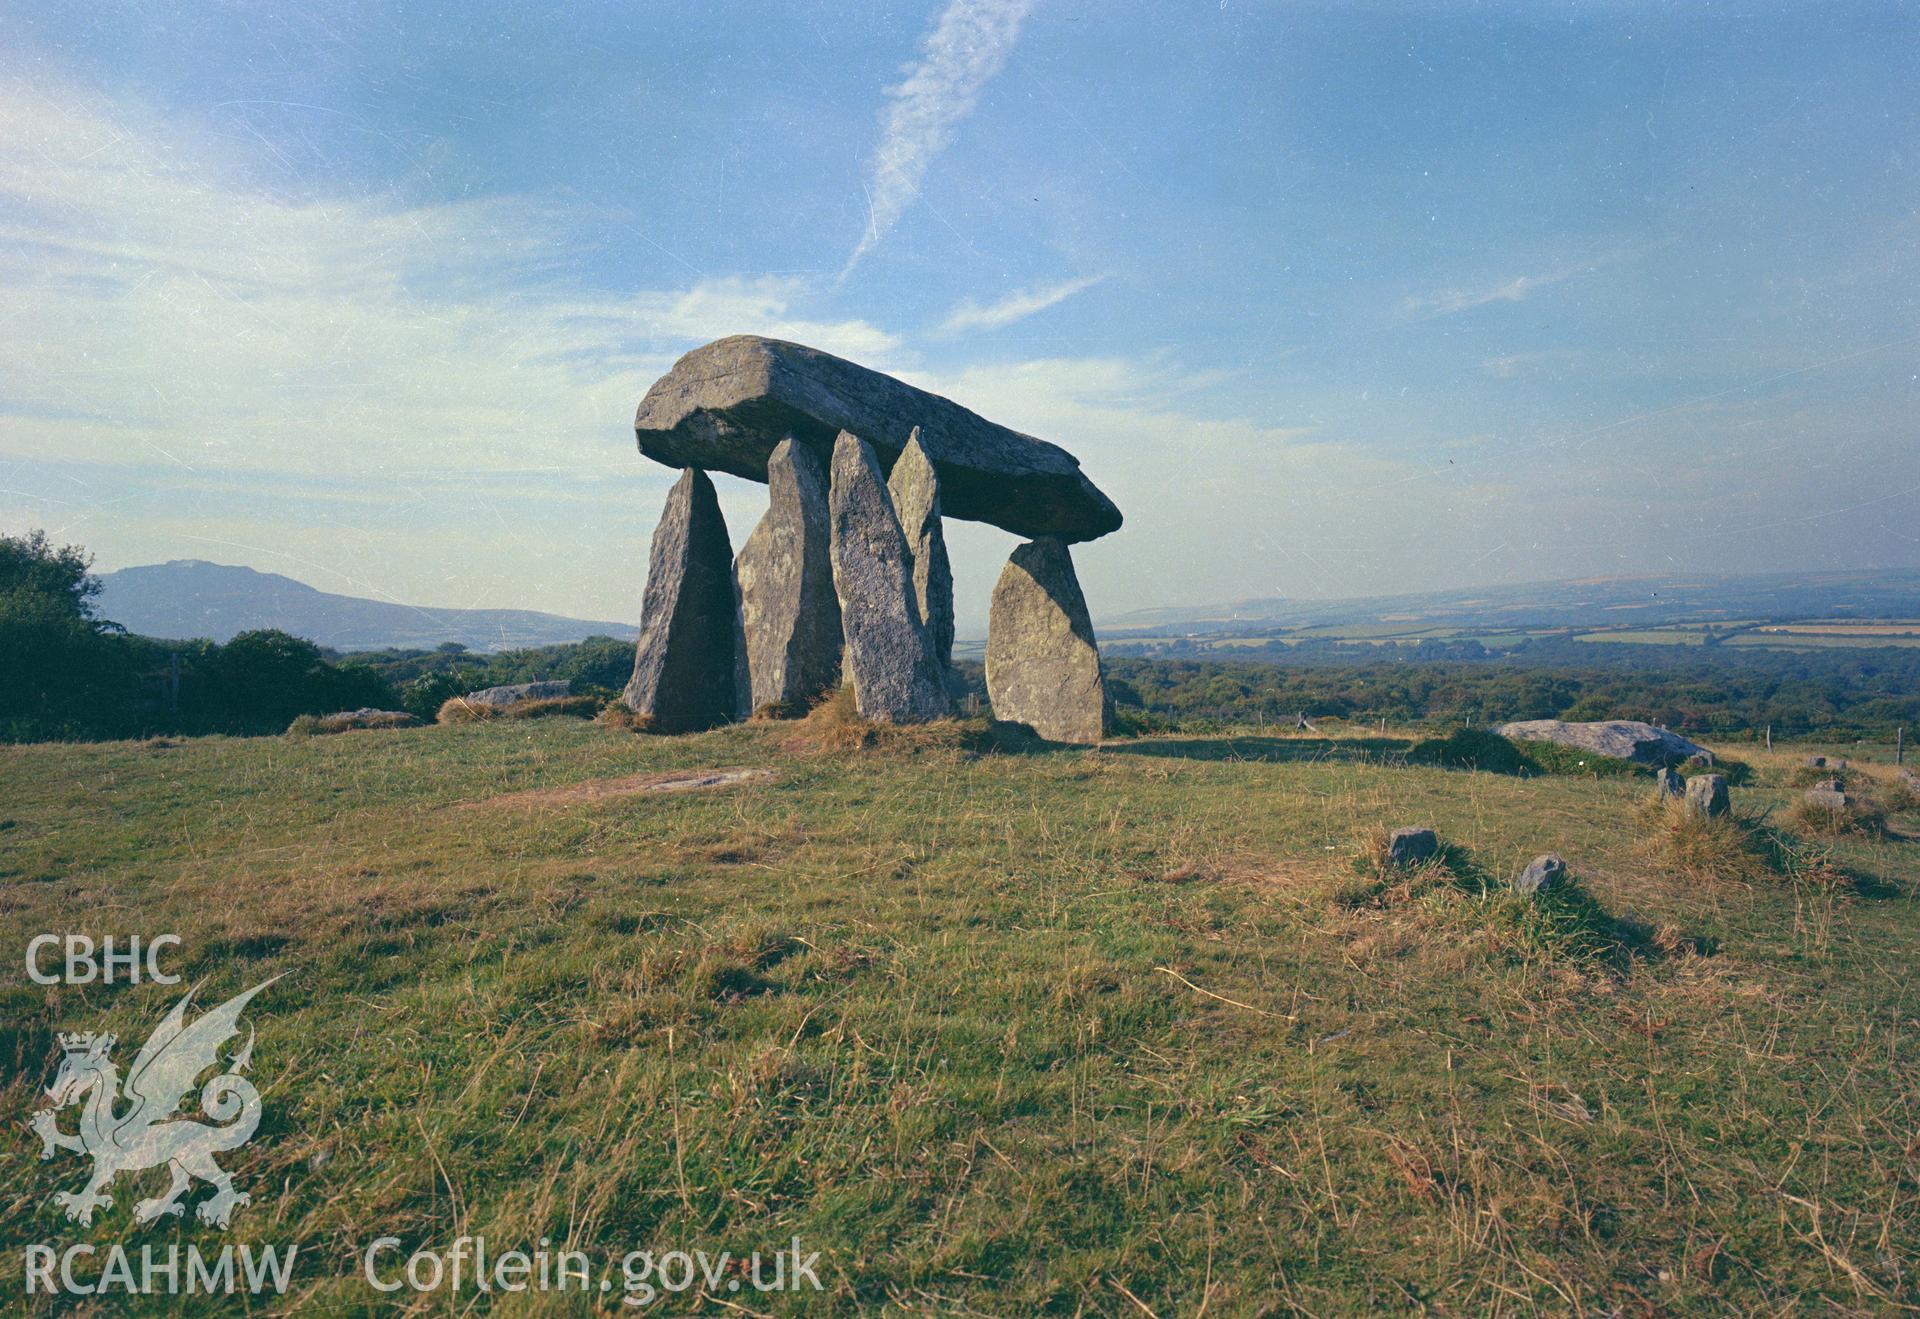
pixel 966 48
pixel 1509 366
pixel 419 396
pixel 1016 306
pixel 1449 302
pixel 156 303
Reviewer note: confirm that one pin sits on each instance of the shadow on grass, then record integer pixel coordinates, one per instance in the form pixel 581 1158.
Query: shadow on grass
pixel 1262 749
pixel 1811 861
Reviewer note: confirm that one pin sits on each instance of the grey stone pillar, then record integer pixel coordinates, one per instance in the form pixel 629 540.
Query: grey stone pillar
pixel 1043 665
pixel 915 488
pixel 787 602
pixel 689 665
pixel 889 660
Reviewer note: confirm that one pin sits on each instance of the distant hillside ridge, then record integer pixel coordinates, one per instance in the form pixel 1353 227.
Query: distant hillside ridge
pixel 1582 603
pixel 188 598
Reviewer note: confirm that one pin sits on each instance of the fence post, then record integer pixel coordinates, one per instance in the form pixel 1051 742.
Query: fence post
pixel 1769 737
pixel 1900 747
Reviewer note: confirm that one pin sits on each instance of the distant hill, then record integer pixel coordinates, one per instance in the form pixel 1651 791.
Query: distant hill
pixel 189 598
pixel 1597 602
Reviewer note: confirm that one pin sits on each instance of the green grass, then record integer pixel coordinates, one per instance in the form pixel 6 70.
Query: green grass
pixel 1004 1034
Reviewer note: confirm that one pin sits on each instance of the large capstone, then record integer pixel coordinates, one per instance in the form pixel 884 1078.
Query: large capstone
pixel 727 406
pixel 1043 667
pixel 787 602
pixel 889 660
pixel 1617 739
pixel 915 489
pixel 689 666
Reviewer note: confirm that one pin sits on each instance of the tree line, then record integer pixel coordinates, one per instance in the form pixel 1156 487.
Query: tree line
pixel 66 673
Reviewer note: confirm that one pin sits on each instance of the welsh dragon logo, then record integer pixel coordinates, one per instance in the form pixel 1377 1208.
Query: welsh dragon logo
pixel 149 1133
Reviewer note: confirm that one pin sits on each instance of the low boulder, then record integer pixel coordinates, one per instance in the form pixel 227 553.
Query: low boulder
pixel 1618 739
pixel 499 698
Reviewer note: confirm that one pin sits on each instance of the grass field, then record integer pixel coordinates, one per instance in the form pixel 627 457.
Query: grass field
pixel 1114 1032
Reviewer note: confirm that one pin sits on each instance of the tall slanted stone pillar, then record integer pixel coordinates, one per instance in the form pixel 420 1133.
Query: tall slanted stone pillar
pixel 1043 666
pixel 915 488
pixel 895 675
pixel 689 666
pixel 787 602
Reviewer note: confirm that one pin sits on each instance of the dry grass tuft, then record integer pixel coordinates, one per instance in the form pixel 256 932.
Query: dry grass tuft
pixel 459 710
pixel 1808 816
pixel 1897 795
pixel 551 707
pixel 346 721
pixel 1694 847
pixel 616 715
pixel 834 727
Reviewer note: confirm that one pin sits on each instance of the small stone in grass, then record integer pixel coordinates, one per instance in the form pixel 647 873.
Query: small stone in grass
pixel 1412 845
pixel 1543 872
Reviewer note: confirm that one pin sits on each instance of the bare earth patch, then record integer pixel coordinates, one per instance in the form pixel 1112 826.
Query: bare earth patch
pixel 627 785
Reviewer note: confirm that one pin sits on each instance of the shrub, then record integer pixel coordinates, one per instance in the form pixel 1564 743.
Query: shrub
pixel 1552 758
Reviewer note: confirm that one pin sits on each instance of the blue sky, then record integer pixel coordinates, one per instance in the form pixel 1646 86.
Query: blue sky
pixel 1334 299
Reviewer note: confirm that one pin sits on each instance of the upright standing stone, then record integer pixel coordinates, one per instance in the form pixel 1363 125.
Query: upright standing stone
pixel 889 659
pixel 1668 785
pixel 689 665
pixel 915 488
pixel 1707 795
pixel 787 603
pixel 1043 666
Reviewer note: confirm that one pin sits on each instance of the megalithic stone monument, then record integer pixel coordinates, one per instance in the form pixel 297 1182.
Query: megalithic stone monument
pixel 874 607
pixel 915 488
pixel 890 662
pixel 1043 665
pixel 689 665
pixel 787 602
